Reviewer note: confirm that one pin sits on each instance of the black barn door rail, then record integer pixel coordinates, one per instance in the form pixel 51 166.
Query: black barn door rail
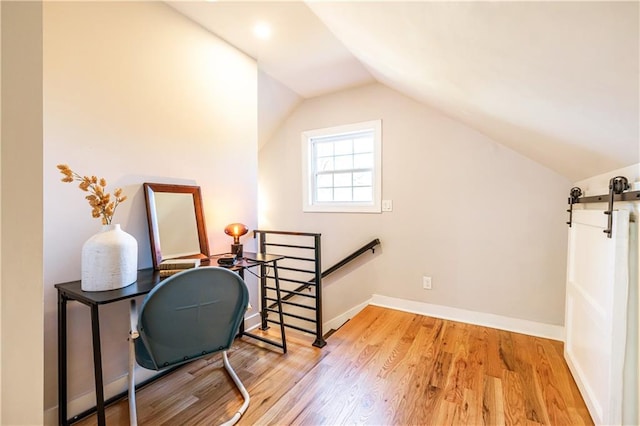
pixel 618 191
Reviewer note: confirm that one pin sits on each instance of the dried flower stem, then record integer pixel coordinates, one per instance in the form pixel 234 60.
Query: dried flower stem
pixel 99 199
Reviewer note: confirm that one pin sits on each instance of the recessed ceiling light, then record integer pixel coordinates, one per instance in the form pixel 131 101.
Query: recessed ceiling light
pixel 262 30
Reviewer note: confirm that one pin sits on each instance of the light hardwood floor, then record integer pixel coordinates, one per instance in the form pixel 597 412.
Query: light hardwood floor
pixel 383 367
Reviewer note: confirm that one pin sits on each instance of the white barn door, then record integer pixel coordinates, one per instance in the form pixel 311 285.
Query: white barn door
pixel 596 310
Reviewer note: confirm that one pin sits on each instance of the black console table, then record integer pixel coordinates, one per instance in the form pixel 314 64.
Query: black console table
pixel 147 279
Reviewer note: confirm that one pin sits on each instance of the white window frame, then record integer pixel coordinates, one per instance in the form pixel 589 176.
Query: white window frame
pixel 308 202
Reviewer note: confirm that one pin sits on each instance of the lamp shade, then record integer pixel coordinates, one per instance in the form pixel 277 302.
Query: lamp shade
pixel 236 230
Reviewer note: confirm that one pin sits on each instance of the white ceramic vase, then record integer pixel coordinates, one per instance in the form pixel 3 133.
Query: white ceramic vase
pixel 109 260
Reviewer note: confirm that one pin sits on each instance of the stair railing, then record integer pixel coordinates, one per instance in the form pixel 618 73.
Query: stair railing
pixel 292 269
pixel 302 260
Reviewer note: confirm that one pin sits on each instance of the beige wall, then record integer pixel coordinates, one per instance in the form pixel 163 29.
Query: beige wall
pixel 136 93
pixel 487 224
pixel 22 214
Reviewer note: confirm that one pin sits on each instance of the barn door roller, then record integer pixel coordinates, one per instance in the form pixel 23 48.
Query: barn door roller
pixel 617 185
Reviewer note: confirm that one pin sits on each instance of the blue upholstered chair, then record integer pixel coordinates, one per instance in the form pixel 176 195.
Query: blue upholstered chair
pixel 190 315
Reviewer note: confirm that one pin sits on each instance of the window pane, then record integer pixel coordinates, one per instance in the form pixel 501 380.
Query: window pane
pixel 363 161
pixel 362 179
pixel 363 145
pixel 324 164
pixel 325 181
pixel 325 194
pixel 342 194
pixel 324 149
pixel 342 179
pixel 344 162
pixel 362 193
pixel 343 147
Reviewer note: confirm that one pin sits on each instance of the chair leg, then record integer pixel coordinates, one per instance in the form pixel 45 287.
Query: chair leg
pixel 240 387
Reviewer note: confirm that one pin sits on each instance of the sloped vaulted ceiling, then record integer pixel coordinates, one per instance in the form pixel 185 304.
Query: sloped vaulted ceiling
pixel 556 81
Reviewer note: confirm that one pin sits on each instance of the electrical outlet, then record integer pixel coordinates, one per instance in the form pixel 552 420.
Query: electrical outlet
pixel 426 283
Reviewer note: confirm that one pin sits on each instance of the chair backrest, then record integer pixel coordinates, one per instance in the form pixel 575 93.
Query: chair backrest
pixel 191 314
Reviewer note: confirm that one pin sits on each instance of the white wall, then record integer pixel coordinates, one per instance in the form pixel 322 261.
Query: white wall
pixel 22 214
pixel 134 92
pixel 487 224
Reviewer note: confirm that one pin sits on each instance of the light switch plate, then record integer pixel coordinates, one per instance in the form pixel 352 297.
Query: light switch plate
pixel 387 205
pixel 426 283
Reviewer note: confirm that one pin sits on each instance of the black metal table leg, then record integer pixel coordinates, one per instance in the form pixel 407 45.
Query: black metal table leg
pixel 97 365
pixel 62 359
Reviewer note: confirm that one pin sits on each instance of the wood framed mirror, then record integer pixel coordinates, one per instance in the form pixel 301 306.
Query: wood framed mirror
pixel 176 222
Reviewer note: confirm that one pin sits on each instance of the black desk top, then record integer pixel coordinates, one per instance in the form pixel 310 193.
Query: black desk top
pixel 149 278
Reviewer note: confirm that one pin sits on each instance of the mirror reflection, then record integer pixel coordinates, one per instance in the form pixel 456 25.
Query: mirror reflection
pixel 177 228
pixel 176 222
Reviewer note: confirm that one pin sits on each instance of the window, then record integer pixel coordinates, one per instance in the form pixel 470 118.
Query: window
pixel 342 168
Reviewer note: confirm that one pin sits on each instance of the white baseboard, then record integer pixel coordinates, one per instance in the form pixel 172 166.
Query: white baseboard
pixel 252 321
pixel 51 416
pixel 337 322
pixel 515 325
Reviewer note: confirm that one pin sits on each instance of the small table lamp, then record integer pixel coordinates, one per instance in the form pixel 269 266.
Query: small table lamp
pixel 236 230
